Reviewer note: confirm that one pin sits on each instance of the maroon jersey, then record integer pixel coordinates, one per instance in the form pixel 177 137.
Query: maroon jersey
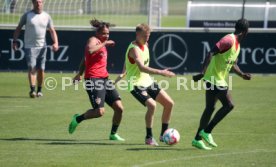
pixel 95 63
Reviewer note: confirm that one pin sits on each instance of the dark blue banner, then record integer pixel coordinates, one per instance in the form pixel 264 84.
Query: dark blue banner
pixel 180 51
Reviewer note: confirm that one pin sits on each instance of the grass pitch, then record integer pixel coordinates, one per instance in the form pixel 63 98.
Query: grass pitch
pixel 34 131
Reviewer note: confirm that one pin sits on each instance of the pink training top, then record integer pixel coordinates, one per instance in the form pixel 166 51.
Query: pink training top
pixel 226 43
pixel 95 63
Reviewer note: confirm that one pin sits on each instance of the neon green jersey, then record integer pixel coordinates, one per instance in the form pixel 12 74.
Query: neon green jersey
pixel 134 76
pixel 220 65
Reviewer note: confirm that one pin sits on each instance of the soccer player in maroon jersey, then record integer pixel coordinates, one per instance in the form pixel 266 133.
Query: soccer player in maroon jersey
pixel 99 88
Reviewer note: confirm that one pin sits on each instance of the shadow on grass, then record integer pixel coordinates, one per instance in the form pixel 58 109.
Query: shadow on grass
pixel 34 139
pixel 99 143
pixel 159 148
pixel 70 141
pixel 14 97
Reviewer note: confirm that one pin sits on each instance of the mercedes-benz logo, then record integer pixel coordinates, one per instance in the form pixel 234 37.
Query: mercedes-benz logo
pixel 170 51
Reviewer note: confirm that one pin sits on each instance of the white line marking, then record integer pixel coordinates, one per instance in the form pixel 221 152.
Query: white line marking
pixel 5 51
pixel 203 156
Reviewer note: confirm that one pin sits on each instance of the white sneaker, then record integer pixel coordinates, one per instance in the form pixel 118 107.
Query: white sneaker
pixel 39 94
pixel 32 94
pixel 151 141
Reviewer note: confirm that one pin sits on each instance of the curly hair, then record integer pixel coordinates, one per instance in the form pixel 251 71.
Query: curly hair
pixel 99 25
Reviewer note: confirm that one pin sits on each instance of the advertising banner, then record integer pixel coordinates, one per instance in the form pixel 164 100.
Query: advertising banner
pixel 182 52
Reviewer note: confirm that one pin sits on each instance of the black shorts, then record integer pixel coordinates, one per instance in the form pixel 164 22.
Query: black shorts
pixel 214 88
pixel 101 90
pixel 142 94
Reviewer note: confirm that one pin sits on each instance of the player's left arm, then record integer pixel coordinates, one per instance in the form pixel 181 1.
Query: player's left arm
pixel 206 63
pixel 236 69
pixel 54 38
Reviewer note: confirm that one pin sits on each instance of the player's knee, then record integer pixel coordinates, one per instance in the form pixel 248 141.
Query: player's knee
pixel 40 70
pixel 32 70
pixel 118 107
pixel 168 105
pixel 101 111
pixel 151 106
pixel 119 110
pixel 229 107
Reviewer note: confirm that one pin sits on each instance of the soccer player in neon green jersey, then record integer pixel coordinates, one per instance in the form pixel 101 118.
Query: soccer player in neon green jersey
pixel 141 85
pixel 220 60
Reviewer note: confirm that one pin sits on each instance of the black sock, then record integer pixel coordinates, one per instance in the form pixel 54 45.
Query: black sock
pixel 114 129
pixel 32 87
pixel 164 128
pixel 197 137
pixel 80 118
pixel 149 133
pixel 39 89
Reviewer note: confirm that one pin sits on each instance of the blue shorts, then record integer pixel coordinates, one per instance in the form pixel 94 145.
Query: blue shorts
pixel 36 57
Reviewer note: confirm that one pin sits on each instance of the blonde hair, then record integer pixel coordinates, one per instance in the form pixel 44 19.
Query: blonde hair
pixel 142 28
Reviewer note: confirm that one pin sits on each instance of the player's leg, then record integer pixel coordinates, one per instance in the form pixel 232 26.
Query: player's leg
pixel 149 118
pixel 32 81
pixel 89 114
pixel 225 98
pixel 112 98
pixel 31 56
pixel 142 96
pixel 210 101
pixel 97 99
pixel 118 109
pixel 41 60
pixel 227 106
pixel 96 96
pixel 166 101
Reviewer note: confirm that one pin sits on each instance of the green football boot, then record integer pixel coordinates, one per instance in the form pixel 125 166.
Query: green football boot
pixel 208 138
pixel 73 125
pixel 200 145
pixel 115 137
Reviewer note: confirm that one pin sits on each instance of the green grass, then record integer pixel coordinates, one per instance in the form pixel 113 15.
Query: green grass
pixel 174 21
pixel 121 13
pixel 118 20
pixel 34 131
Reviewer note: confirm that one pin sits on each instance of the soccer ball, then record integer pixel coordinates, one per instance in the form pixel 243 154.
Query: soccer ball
pixel 171 136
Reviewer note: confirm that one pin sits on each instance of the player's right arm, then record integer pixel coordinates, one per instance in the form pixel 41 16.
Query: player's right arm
pixel 208 58
pixel 15 37
pixel 94 45
pixel 206 63
pixel 78 77
pixel 17 31
pixel 134 54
